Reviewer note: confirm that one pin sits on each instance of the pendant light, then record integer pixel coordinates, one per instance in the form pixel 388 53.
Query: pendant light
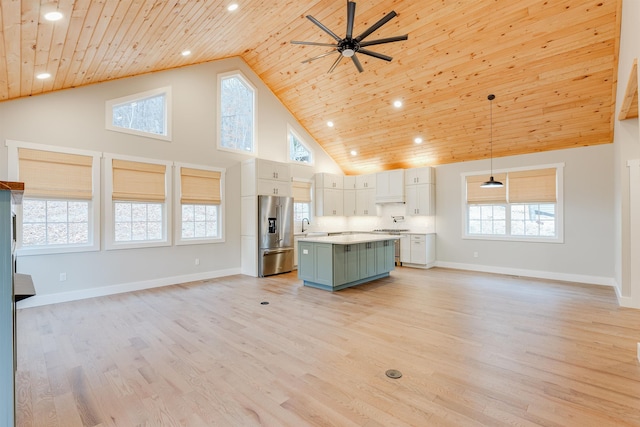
pixel 491 182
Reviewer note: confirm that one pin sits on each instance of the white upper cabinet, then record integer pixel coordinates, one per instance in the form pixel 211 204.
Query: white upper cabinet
pixel 349 182
pixel 420 191
pixel 417 176
pixel 265 177
pixel 366 181
pixel 328 180
pixel 267 169
pixel 390 186
pixel 366 202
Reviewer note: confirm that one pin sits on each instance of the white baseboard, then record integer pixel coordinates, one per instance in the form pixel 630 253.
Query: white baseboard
pixel 39 300
pixel 578 278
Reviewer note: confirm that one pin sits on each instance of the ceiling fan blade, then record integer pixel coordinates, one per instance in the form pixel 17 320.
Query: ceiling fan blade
pixel 375 54
pixel 335 64
pixel 381 41
pixel 319 56
pixel 357 63
pixel 314 43
pixel 377 25
pixel 325 29
pixel 351 13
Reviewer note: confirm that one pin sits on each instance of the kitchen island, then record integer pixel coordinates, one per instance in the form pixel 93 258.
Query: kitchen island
pixel 337 262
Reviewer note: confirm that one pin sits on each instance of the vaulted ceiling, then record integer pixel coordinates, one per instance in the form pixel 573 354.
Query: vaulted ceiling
pixel 551 65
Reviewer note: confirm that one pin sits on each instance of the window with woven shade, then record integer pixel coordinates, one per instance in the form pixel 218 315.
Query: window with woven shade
pixel 527 207
pixel 137 212
pixel 60 209
pixel 201 199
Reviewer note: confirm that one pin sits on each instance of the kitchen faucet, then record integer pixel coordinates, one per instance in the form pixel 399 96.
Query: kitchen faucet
pixel 308 223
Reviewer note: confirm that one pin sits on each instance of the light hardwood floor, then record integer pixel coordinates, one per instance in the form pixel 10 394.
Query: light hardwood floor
pixel 474 350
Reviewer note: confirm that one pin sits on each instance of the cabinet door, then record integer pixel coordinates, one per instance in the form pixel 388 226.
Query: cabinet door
pixel 345 264
pixel 349 182
pixel 418 249
pixel 365 202
pixel 269 187
pixel 419 199
pixel 417 176
pixel 350 203
pixel 366 181
pixel 272 170
pixel 367 255
pixel 385 251
pixel 390 186
pixel 329 202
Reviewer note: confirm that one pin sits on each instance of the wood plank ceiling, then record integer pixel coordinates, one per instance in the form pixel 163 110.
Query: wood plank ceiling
pixel 551 64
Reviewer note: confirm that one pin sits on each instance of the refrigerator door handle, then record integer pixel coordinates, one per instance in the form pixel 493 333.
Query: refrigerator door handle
pixel 275 251
pixel 280 220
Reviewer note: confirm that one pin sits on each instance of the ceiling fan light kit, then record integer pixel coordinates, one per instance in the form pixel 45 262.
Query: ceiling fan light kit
pixel 348 46
pixel 491 182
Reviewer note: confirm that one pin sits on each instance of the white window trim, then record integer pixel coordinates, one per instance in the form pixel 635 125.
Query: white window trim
pixel 142 95
pixel 254 142
pixel 94 211
pixel 559 206
pixel 178 216
pixel 291 130
pixel 110 243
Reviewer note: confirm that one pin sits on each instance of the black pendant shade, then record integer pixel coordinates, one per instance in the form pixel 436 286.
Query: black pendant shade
pixel 492 182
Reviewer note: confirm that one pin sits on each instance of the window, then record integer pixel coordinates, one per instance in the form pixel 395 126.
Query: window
pixel 60 208
pixel 301 202
pixel 137 214
pixel 527 207
pixel 145 114
pixel 236 115
pixel 200 200
pixel 298 150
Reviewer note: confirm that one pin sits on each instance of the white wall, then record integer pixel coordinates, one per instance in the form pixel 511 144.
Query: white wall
pixel 627 147
pixel 587 252
pixel 75 118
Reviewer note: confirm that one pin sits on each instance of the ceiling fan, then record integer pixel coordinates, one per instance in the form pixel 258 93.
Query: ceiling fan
pixel 348 46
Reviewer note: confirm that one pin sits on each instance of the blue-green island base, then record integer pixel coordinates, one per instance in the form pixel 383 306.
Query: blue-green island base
pixel 345 285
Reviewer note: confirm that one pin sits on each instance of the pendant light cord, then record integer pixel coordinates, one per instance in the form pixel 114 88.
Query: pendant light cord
pixel 491 98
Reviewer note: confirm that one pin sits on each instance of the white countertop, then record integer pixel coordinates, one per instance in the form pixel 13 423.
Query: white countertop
pixel 350 239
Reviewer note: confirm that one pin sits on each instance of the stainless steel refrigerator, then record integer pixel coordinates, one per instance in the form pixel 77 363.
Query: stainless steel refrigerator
pixel 275 235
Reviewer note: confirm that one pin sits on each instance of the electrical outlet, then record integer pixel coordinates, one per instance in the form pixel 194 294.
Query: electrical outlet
pixel 197 261
pixel 63 277
pixel 475 254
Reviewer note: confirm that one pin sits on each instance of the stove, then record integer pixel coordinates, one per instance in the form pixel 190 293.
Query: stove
pixel 391 230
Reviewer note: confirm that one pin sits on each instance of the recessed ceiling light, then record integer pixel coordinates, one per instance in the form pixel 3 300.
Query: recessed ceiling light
pixel 354 153
pixel 397 104
pixel 185 53
pixel 232 7
pixel 418 140
pixel 53 16
pixel 330 123
pixel 43 76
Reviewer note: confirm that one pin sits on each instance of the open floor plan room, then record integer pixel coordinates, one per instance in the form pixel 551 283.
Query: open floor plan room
pixel 473 349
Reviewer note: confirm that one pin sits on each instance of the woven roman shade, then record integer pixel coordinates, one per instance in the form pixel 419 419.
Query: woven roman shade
pixel 301 192
pixel 478 195
pixel 531 186
pixel 50 174
pixel 200 187
pixel 137 181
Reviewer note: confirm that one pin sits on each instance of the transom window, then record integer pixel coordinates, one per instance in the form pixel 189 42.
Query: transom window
pixel 298 150
pixel 236 115
pixel 527 207
pixel 146 114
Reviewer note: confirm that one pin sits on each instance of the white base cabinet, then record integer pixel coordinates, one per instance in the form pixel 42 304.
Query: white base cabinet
pixel 418 250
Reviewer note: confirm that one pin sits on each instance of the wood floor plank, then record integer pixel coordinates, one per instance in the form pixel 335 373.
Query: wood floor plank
pixel 474 349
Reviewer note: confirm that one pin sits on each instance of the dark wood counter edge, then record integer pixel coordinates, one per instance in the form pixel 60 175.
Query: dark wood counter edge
pixel 22 286
pixel 16 188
